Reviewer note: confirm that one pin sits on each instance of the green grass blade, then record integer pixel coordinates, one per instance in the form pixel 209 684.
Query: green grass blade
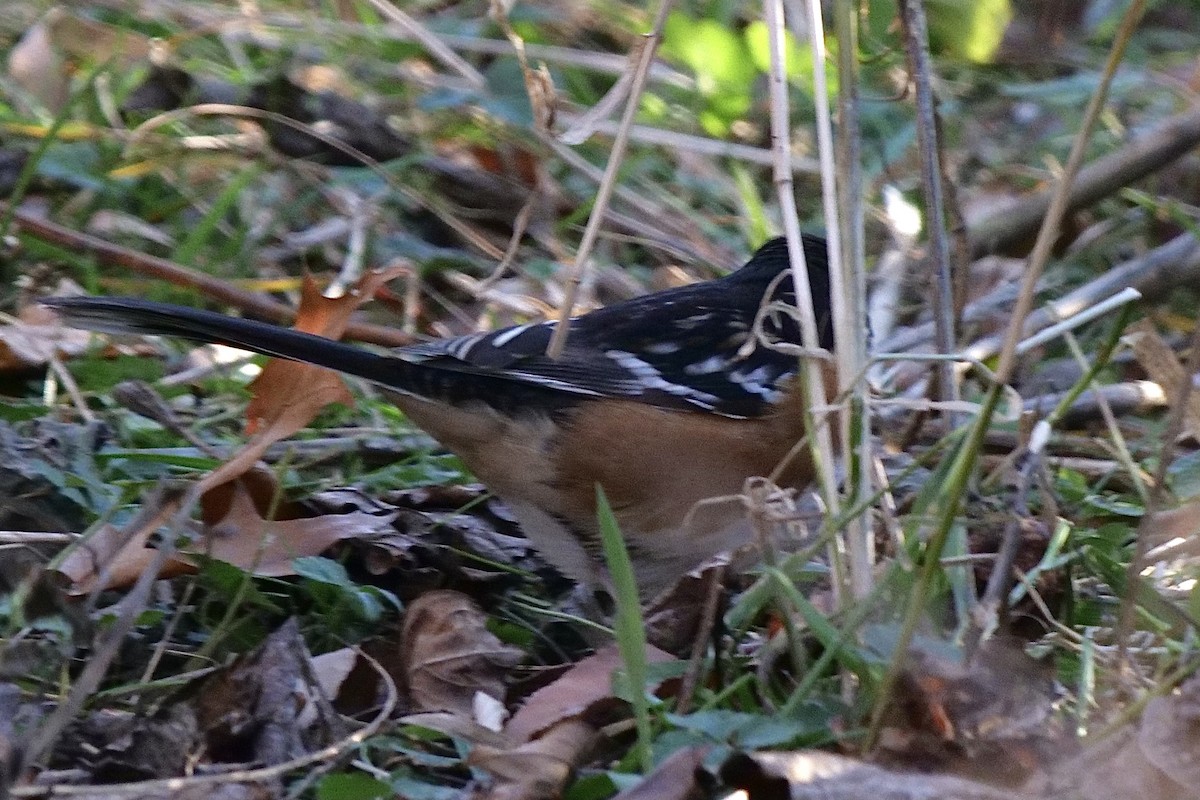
pixel 628 624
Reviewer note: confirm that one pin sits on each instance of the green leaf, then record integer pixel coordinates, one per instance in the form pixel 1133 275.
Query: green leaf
pixel 721 62
pixel 352 786
pixel 102 374
pixel 719 725
pixel 198 235
pixel 779 731
pixel 323 570
pixel 599 786
pixel 16 411
pixel 1115 505
pixel 798 55
pixel 968 29
pixel 1184 476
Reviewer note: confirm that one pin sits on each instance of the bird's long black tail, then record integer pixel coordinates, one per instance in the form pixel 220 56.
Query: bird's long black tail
pixel 130 315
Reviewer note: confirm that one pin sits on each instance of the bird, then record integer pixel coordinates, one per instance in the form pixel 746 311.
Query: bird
pixel 665 401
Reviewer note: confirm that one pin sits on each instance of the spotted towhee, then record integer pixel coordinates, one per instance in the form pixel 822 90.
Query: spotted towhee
pixel 664 400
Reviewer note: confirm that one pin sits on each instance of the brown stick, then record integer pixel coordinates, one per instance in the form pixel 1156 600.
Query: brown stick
pixel 1169 141
pixel 144 264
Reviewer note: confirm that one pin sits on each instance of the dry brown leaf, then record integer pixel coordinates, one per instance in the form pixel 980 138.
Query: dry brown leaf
pixel 582 690
pixel 673 779
pixel 991 719
pixel 1156 761
pixel 268 547
pixel 1169 736
pixel 457 726
pixel 1163 367
pixel 118 746
pixel 236 533
pixel 262 488
pixel 332 669
pixel 36 337
pixel 114 557
pixel 537 770
pixel 348 679
pixel 556 730
pixel 450 656
pixel 42 61
pixel 287 395
pixel 1176 525
pixel 39 68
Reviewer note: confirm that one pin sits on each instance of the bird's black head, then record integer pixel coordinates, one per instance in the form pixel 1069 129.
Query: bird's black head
pixel 772 259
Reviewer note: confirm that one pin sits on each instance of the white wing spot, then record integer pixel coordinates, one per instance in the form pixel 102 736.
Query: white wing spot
pixel 760 381
pixel 664 348
pixel 651 378
pixel 554 383
pixel 461 348
pixel 707 366
pixel 504 337
pixel 694 321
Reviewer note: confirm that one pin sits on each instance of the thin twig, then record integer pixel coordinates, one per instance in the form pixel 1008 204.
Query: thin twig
pixel 916 47
pixel 1158 490
pixel 430 41
pixel 647 134
pixel 231 110
pixel 962 468
pixel 851 330
pixel 520 224
pixel 1059 203
pixel 259 775
pixel 36 537
pixel 715 583
pixel 1153 274
pixel 821 444
pixel 1157 148
pixel 214 16
pixel 68 381
pixel 223 291
pixel 986 613
pixel 106 650
pixel 575 276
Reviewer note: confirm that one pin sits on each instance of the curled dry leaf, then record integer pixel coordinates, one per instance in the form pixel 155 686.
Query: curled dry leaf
pixel 39 67
pixel 540 769
pixel 237 533
pixel 43 62
pixel 556 730
pixel 673 779
pixel 992 719
pixel 583 691
pixel 113 557
pixel 242 536
pixel 35 338
pixel 287 394
pixel 449 655
pixel 1163 367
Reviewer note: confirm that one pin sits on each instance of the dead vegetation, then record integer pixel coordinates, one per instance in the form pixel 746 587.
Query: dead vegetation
pixel 214 586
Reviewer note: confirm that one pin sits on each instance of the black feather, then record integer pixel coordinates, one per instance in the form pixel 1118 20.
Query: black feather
pixel 680 349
